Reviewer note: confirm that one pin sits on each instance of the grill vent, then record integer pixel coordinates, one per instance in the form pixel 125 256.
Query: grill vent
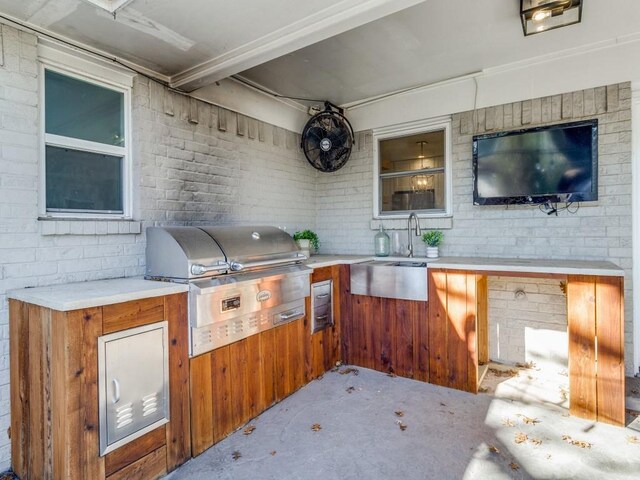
pixel 149 404
pixel 124 415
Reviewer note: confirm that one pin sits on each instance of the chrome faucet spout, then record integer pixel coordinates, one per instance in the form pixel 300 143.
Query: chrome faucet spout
pixel 418 232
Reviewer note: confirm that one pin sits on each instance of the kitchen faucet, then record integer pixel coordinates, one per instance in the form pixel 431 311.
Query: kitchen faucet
pixel 418 232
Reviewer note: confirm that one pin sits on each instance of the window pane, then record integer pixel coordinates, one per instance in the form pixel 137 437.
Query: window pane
pixel 79 180
pixel 413 192
pixel 415 152
pixel 82 110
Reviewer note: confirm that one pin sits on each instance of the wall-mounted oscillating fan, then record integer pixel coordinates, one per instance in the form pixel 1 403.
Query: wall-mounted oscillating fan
pixel 327 139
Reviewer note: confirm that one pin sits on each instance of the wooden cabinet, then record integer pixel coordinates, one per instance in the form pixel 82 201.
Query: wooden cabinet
pixel 385 334
pixel 233 384
pixel 458 338
pixel 54 392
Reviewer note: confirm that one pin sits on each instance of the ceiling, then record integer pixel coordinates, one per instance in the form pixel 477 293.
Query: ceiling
pixel 341 50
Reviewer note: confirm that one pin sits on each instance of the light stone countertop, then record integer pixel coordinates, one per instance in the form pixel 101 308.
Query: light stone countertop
pixel 74 296
pixel 507 265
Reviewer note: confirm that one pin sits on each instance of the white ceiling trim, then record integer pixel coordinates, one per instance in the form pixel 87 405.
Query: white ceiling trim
pixel 321 25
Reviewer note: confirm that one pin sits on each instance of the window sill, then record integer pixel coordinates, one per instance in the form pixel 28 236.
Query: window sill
pixel 65 226
pixel 426 223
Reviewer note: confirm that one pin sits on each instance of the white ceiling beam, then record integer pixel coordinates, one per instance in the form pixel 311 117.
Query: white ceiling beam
pixel 323 24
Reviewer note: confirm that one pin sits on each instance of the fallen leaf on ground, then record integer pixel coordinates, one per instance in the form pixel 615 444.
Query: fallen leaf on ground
pixel 350 389
pixel 236 455
pixel 528 420
pixel 514 466
pixel 635 392
pixel 402 426
pixel 633 413
pixel 348 370
pixel 316 427
pixel 564 373
pixel 504 373
pixel 564 394
pixel 633 439
pixel 494 449
pixel 483 389
pixel 391 374
pixel 400 413
pixel 526 365
pixel 507 422
pixel 536 441
pixel 577 443
pixel 273 453
pixel 548 457
pixel 336 366
pixel 521 438
pixel 443 404
pixel 249 430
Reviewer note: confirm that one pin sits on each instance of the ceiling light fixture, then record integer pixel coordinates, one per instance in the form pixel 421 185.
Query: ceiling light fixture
pixel 543 15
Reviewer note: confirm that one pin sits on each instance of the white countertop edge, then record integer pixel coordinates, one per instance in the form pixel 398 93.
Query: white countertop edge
pixel 52 296
pixel 506 265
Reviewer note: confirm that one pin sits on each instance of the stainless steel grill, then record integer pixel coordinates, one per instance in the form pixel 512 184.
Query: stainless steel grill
pixel 243 280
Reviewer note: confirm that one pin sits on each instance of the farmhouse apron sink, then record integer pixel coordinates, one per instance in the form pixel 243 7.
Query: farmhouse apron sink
pixel 405 280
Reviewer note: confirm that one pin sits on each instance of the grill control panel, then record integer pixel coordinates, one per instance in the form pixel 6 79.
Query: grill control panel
pixel 231 303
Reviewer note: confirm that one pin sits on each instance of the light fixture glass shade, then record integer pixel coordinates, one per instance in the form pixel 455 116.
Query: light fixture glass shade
pixel 541 15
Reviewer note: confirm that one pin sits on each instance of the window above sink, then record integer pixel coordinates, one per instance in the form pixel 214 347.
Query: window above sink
pixel 412 169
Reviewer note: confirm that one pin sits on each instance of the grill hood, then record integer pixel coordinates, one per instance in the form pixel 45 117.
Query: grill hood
pixel 188 253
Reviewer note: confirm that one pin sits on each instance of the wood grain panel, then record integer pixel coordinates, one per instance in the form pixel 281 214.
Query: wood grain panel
pixel 149 467
pixel 66 399
pixel 438 330
pixel 202 401
pixel 283 375
pixel 223 420
pixel 421 341
pixel 346 314
pixel 610 379
pixel 92 329
pixel 135 450
pixel 37 365
pixel 388 332
pixel 267 369
pixel 19 350
pixel 132 314
pixel 376 332
pixel 240 378
pixel 483 319
pixel 470 336
pixel 336 349
pixel 457 325
pixel 296 333
pixel 254 380
pixel 178 429
pixel 581 316
pixel 404 339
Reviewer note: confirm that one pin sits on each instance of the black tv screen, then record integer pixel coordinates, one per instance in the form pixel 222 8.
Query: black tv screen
pixel 557 163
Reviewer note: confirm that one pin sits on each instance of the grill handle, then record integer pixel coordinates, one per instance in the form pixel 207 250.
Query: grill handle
pixel 237 266
pixel 199 269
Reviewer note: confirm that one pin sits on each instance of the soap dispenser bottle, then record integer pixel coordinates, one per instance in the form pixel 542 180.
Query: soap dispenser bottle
pixel 382 243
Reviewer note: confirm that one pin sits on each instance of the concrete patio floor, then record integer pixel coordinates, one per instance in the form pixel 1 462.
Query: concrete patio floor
pixel 448 435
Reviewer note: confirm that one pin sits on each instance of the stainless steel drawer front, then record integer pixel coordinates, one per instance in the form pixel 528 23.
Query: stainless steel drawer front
pixel 219 334
pixel 133 376
pixel 321 305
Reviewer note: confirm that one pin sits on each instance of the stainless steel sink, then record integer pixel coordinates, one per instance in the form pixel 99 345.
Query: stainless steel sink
pixel 405 280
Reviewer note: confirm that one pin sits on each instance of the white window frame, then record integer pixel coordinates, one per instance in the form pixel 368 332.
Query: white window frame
pixel 53 59
pixel 404 130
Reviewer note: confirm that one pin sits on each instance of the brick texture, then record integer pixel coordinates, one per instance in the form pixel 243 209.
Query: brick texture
pixel 598 231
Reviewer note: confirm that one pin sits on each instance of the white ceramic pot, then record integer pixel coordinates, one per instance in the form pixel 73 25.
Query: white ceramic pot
pixel 305 247
pixel 432 252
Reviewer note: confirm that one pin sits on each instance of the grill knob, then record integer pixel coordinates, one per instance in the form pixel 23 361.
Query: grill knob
pixel 255 236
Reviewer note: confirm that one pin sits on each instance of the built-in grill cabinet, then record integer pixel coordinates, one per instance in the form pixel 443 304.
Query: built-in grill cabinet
pixel 133 376
pixel 321 305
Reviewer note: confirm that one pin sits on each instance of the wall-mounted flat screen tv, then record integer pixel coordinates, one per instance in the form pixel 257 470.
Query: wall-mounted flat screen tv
pixel 557 163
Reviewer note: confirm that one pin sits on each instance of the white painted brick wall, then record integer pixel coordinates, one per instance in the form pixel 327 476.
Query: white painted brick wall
pixel 598 231
pixel 186 170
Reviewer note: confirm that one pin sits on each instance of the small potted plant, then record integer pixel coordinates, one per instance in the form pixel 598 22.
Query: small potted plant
pixel 306 240
pixel 433 239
